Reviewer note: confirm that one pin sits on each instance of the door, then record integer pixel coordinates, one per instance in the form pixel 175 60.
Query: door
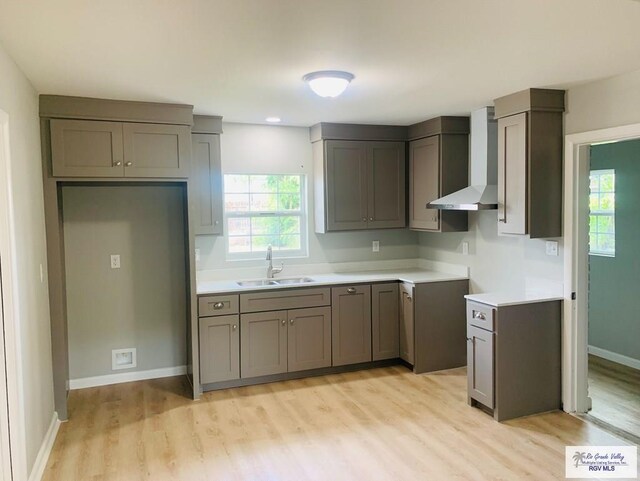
pixel 406 343
pixel 351 324
pixel 207 183
pixel 480 365
pixel 385 317
pixel 309 338
pixel 219 348
pixel 346 177
pixel 512 174
pixel 386 168
pixel 263 343
pixel 156 150
pixel 86 148
pixel 424 183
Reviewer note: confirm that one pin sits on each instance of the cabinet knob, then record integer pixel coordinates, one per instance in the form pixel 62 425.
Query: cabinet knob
pixel 408 298
pixel 128 164
pixel 364 219
pixel 218 305
pixel 284 322
pixel 216 222
pixel 351 290
pixel 234 327
pixel 291 321
pixel 117 163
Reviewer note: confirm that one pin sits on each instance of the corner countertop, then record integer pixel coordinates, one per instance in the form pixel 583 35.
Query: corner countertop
pixel 513 298
pixel 412 275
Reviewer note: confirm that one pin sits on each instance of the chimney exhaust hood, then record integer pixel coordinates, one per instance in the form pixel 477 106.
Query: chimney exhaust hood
pixel 482 194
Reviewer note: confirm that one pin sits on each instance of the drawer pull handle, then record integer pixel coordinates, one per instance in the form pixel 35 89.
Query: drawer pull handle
pixel 480 316
pixel 351 290
pixel 234 327
pixel 218 305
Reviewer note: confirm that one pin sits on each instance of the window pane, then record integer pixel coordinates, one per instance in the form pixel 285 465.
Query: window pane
pixel 593 223
pixel 264 202
pixel 240 244
pixel 606 243
pixel 264 183
pixel 239 226
pixel 605 224
pixel 594 202
pixel 607 201
pixel 289 225
pixel 236 183
pixel 289 183
pixel 606 183
pixel 264 225
pixel 260 242
pixel 289 202
pixel 290 242
pixel 593 242
pixel 236 202
pixel 594 182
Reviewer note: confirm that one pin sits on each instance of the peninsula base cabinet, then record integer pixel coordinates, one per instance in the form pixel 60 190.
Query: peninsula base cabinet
pixel 513 355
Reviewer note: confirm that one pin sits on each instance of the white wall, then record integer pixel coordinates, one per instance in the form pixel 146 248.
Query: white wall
pixel 20 101
pixel 274 149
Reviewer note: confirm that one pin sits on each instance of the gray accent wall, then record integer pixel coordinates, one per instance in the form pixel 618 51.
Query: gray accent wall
pixel 614 282
pixel 140 305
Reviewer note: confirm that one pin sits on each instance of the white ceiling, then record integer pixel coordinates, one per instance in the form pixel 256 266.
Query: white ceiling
pixel 244 59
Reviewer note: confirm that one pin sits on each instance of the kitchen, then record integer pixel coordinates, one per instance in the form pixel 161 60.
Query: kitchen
pixel 469 255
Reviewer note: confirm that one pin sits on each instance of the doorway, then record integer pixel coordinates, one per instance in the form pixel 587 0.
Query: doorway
pixel 591 375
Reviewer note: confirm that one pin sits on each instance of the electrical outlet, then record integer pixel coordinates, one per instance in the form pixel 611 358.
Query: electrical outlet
pixel 465 248
pixel 552 248
pixel 123 358
pixel 375 246
pixel 115 261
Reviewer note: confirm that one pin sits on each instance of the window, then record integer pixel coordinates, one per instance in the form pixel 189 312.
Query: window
pixel 263 210
pixel 602 201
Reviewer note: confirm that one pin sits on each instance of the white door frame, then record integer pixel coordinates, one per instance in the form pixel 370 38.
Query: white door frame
pixel 10 312
pixel 575 393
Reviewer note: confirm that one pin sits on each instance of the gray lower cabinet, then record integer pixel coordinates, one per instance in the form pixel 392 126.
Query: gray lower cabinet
pixel 406 330
pixel 219 348
pixel 207 184
pixel 480 365
pixel 351 324
pixel 309 338
pixel 263 343
pixel 385 317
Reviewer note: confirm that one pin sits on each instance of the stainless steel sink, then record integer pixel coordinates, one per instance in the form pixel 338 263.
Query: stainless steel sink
pixel 257 283
pixel 293 280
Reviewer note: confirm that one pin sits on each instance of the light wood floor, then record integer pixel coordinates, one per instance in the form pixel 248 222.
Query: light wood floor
pixel 615 393
pixel 381 424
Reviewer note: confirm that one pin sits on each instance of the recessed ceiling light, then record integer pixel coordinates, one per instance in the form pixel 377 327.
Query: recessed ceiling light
pixel 328 83
pixel 273 120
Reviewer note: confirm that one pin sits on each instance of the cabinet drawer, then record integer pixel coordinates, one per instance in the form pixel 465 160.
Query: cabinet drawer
pixel 286 299
pixel 217 305
pixel 480 315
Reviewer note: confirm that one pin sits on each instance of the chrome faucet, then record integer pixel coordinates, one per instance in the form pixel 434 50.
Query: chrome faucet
pixel 270 269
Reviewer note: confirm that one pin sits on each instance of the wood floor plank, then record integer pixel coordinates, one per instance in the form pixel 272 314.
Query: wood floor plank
pixel 383 424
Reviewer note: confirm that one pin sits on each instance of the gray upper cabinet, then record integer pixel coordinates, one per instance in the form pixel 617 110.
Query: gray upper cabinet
pixel 86 148
pixel 386 165
pixel 385 312
pixel 438 166
pixel 351 324
pixel 406 332
pixel 219 339
pixel 156 150
pixel 207 184
pixel 309 338
pixel 263 343
pixel 530 137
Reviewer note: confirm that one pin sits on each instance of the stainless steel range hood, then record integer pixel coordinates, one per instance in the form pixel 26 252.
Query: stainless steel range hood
pixel 482 194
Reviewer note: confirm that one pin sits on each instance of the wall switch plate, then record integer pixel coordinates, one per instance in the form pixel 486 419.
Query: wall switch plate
pixel 197 255
pixel 552 248
pixel 375 246
pixel 115 261
pixel 465 248
pixel 123 358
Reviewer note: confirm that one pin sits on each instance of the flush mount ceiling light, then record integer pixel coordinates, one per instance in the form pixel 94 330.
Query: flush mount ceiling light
pixel 273 120
pixel 328 83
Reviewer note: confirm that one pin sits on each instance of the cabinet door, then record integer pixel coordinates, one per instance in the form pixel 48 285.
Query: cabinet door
pixel 309 338
pixel 386 185
pixel 424 183
pixel 385 316
pixel 346 178
pixel 480 365
pixel 351 324
pixel 263 343
pixel 156 150
pixel 512 174
pixel 407 347
pixel 85 148
pixel 206 177
pixel 219 348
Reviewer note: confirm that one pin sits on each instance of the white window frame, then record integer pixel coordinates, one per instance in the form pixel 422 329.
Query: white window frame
pixel 603 213
pixel 302 214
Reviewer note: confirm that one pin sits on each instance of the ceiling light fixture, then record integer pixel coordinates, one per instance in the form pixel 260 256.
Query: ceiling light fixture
pixel 328 83
pixel 273 120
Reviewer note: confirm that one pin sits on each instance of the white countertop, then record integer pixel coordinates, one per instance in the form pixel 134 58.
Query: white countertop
pixel 501 299
pixel 412 275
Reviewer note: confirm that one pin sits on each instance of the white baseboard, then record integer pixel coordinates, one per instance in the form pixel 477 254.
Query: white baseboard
pixel 45 449
pixel 126 377
pixel 615 357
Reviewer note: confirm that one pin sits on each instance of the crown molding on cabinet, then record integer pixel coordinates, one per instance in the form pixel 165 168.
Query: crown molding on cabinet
pixel 207 124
